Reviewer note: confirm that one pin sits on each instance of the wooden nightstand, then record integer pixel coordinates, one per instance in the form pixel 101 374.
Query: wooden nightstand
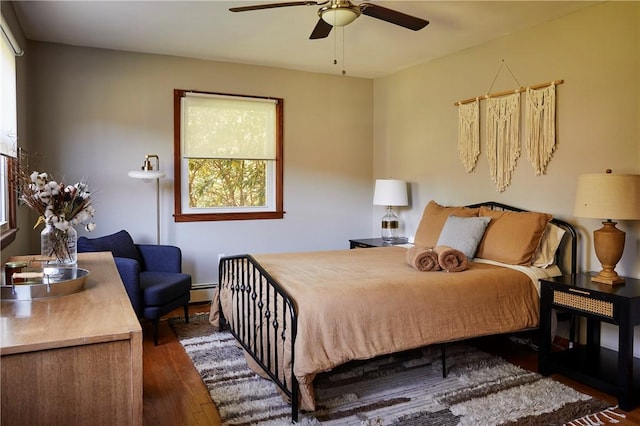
pixel 617 373
pixel 375 242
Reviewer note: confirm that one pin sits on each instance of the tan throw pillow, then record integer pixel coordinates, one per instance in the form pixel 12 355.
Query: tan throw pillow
pixel 512 237
pixel 545 254
pixel 433 219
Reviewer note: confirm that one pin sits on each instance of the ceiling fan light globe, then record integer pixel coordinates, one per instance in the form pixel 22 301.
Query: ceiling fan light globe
pixel 339 17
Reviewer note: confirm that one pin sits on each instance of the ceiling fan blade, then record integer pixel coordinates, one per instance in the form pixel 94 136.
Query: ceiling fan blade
pixel 393 16
pixel 273 5
pixel 321 30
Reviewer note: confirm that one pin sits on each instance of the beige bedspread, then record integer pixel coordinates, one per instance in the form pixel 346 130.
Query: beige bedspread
pixel 357 304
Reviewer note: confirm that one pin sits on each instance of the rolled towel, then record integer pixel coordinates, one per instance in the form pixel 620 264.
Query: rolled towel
pixel 422 258
pixel 450 259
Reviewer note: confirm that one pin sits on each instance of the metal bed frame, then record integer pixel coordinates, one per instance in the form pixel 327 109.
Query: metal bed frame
pixel 264 317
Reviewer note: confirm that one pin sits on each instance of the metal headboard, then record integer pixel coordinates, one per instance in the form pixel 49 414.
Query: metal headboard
pixel 566 256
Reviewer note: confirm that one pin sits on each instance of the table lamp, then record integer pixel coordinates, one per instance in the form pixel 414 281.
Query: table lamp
pixel 390 193
pixel 608 196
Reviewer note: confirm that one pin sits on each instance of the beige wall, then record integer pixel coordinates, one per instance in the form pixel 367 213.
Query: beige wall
pixel 96 113
pixel 597 53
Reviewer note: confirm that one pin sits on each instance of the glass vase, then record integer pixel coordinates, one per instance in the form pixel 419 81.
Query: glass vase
pixel 59 247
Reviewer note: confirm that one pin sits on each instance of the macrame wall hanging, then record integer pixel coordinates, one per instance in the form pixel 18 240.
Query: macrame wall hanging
pixel 469 134
pixel 503 129
pixel 503 138
pixel 540 124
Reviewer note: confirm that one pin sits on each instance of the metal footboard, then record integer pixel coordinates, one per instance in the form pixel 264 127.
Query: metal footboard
pixel 262 317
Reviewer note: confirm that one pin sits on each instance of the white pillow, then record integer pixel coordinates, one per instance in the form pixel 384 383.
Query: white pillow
pixel 545 254
pixel 463 233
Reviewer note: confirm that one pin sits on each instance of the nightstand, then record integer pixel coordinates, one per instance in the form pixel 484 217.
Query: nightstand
pixel 616 373
pixel 375 242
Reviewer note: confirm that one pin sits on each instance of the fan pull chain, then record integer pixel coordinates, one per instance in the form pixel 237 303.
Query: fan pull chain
pixel 343 43
pixel 335 47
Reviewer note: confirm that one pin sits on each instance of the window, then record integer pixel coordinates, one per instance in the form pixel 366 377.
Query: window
pixel 228 157
pixel 9 49
pixel 4 194
pixel 8 223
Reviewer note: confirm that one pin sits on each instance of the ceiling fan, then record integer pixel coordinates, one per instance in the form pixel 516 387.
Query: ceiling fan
pixel 338 13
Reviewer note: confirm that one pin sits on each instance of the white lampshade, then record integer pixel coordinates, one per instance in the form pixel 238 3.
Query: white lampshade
pixel 147 171
pixel 390 192
pixel 608 196
pixel 146 174
pixel 339 17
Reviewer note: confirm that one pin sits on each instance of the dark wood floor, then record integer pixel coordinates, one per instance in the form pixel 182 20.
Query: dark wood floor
pixel 175 395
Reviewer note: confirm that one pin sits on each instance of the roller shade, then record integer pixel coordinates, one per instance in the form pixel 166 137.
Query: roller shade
pixel 8 116
pixel 226 127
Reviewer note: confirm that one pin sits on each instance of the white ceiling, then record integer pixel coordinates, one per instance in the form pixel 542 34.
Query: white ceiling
pixel 280 37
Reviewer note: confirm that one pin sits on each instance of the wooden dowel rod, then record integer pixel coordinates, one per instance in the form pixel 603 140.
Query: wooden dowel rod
pixel 508 92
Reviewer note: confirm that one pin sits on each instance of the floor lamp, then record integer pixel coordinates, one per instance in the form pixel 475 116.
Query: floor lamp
pixel 147 174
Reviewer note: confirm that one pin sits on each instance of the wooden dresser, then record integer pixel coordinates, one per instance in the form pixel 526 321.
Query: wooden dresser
pixel 75 359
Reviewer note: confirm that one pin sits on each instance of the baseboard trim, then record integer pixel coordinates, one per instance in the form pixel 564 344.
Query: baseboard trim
pixel 202 293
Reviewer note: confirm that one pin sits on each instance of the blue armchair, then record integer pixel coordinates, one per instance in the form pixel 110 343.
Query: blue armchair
pixel 152 275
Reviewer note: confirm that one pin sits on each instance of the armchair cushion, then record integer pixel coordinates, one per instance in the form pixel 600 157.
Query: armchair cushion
pixel 159 288
pixel 160 258
pixel 119 244
pixel 155 312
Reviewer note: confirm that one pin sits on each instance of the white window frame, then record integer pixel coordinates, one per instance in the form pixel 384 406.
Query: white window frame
pixel 4 196
pixel 270 196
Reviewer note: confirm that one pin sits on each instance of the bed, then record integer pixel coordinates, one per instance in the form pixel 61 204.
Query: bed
pixel 299 314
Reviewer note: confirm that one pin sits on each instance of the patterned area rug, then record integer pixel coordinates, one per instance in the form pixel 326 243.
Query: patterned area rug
pixel 401 389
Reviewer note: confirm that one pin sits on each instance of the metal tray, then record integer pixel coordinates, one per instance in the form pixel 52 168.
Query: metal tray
pixel 55 281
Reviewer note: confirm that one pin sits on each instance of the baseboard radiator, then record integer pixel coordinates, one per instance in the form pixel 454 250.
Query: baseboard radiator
pixel 202 292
